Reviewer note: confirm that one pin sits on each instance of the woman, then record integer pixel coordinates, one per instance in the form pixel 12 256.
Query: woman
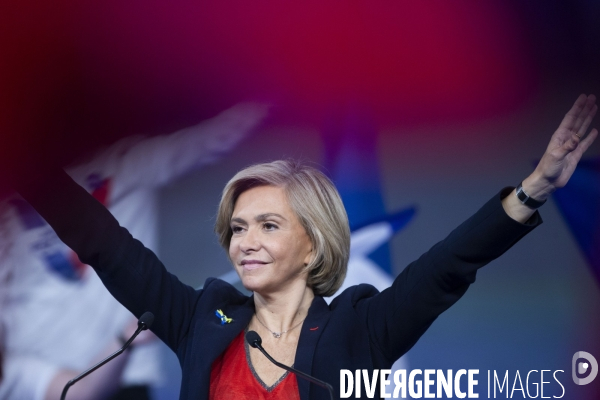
pixel 286 234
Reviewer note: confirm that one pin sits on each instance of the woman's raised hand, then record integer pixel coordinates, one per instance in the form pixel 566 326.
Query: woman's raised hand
pixel 556 166
pixel 565 149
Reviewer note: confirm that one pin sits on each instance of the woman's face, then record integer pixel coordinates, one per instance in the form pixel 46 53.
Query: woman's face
pixel 269 247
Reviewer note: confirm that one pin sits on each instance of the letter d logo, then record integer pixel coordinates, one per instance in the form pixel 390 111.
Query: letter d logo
pixel 582 367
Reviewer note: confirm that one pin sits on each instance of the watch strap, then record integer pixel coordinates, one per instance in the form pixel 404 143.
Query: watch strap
pixel 525 199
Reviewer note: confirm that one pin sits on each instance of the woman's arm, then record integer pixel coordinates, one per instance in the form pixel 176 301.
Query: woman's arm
pixel 131 272
pixel 398 316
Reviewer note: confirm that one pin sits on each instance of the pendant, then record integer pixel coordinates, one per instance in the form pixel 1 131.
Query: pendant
pixel 276 335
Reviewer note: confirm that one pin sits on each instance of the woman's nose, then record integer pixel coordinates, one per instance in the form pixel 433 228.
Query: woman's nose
pixel 249 241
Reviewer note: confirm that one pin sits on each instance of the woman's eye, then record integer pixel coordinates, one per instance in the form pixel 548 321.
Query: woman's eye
pixel 236 229
pixel 269 226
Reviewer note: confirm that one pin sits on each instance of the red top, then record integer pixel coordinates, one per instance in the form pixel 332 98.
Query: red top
pixel 233 378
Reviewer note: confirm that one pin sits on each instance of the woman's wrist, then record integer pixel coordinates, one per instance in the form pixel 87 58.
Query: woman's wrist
pixel 537 187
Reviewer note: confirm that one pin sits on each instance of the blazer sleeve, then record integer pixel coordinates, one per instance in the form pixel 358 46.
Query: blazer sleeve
pixel 132 273
pixel 398 316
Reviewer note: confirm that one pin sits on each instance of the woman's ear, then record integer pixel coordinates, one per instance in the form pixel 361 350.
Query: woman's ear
pixel 310 256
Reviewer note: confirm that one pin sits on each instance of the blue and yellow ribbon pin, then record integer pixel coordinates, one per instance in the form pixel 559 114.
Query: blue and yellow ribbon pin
pixel 224 319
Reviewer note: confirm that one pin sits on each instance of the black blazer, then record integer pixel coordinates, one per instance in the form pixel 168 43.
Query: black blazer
pixel 360 329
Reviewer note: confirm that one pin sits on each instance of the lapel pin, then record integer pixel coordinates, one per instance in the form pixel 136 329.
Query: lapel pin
pixel 224 319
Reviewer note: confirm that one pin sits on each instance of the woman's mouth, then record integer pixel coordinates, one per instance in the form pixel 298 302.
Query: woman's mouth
pixel 249 265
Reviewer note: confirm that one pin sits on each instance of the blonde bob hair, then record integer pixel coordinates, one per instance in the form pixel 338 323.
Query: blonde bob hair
pixel 316 202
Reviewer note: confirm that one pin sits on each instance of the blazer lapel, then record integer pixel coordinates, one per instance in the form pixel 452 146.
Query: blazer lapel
pixel 313 326
pixel 219 336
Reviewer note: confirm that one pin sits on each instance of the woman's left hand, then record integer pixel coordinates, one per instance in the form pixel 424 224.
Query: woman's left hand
pixel 564 151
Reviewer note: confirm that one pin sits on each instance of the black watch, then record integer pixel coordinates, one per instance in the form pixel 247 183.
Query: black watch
pixel 526 200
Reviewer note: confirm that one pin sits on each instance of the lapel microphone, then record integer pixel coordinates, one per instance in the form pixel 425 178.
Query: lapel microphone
pixel 145 322
pixel 255 341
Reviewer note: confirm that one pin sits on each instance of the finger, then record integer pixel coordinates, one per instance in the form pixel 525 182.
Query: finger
pixel 589 106
pixel 575 148
pixel 586 123
pixel 587 142
pixel 568 121
pixel 568 147
pixel 574 145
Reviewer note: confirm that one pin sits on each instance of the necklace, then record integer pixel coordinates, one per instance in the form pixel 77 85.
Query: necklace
pixel 277 335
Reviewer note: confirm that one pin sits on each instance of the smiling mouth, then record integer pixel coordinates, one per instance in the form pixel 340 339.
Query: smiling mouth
pixel 252 264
